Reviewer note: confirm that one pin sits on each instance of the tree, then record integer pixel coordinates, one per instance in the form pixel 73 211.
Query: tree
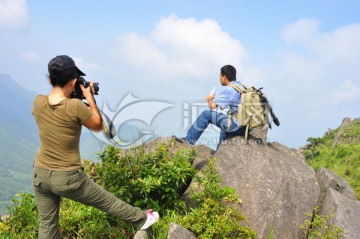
pixel 312 144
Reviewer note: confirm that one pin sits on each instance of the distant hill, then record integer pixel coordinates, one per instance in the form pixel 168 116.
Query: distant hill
pixel 339 151
pixel 19 140
pixel 16 104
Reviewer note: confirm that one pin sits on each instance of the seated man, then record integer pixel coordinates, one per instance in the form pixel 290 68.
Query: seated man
pixel 221 107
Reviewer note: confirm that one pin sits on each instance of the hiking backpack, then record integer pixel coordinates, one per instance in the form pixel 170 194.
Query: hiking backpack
pixel 254 109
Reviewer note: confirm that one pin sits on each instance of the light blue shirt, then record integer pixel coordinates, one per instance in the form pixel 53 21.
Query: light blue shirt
pixel 228 99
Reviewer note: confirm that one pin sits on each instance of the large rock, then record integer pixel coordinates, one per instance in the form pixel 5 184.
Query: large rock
pixel 275 183
pixel 338 199
pixel 278 188
pixel 328 179
pixel 341 134
pixel 345 211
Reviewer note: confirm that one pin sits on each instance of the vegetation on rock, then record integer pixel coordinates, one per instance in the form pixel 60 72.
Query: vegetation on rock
pixel 339 151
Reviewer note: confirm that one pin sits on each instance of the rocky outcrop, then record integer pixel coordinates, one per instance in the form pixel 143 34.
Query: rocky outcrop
pixel 338 199
pixel 275 183
pixel 329 180
pixel 345 212
pixel 277 188
pixel 341 135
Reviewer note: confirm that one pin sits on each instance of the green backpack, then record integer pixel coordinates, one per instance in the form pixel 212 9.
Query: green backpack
pixel 254 109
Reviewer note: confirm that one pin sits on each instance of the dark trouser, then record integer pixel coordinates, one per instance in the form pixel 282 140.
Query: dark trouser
pixel 228 126
pixel 50 186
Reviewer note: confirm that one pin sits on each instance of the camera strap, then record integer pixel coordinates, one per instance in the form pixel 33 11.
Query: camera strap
pixel 108 127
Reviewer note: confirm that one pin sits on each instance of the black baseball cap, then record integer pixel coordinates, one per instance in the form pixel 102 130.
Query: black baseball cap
pixel 64 62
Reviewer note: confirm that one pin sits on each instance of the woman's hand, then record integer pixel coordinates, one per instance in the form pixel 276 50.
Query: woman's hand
pixel 88 92
pixel 95 122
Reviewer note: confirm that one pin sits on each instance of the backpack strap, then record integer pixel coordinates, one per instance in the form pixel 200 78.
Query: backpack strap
pixel 238 88
pixel 241 91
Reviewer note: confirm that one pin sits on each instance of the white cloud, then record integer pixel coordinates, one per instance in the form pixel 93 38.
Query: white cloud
pixel 83 65
pixel 340 46
pixel 30 56
pixel 181 47
pixel 318 75
pixel 347 91
pixel 13 13
pixel 321 59
pixel 302 31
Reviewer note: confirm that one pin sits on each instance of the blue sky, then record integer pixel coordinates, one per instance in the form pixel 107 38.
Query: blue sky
pixel 304 53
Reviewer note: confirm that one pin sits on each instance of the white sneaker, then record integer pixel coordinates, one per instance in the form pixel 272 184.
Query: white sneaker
pixel 152 217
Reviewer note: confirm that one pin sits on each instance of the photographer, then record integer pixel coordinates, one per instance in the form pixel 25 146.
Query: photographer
pixel 57 167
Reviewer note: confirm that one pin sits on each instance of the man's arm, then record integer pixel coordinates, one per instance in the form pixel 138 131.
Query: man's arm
pixel 210 100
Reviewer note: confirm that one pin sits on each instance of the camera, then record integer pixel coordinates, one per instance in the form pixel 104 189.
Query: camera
pixel 77 92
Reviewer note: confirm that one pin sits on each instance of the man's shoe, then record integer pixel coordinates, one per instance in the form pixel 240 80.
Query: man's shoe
pixel 152 217
pixel 212 151
pixel 181 140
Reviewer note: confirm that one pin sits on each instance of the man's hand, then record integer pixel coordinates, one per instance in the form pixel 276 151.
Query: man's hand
pixel 209 99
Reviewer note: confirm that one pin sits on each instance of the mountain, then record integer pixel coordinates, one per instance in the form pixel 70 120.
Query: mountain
pixel 18 139
pixel 339 151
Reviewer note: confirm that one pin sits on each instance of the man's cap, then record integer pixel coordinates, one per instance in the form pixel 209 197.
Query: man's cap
pixel 64 62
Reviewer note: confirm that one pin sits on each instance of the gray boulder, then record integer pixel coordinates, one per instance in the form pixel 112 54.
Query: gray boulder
pixel 275 183
pixel 178 232
pixel 143 234
pixel 338 199
pixel 277 187
pixel 328 179
pixel 345 211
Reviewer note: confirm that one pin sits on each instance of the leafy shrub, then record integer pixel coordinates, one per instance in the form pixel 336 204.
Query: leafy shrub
pixel 154 180
pixel 82 222
pixel 157 179
pixel 321 227
pixel 23 217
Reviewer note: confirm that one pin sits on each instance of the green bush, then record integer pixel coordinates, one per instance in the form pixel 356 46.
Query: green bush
pixel 23 218
pixel 321 227
pixel 156 179
pixel 147 180
pixel 82 222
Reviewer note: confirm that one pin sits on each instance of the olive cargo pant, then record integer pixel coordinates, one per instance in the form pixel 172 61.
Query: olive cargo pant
pixel 50 186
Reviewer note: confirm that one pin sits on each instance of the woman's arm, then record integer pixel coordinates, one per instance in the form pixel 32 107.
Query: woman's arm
pixel 95 122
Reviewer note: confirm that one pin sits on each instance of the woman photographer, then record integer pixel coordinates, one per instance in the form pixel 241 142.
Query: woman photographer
pixel 57 167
